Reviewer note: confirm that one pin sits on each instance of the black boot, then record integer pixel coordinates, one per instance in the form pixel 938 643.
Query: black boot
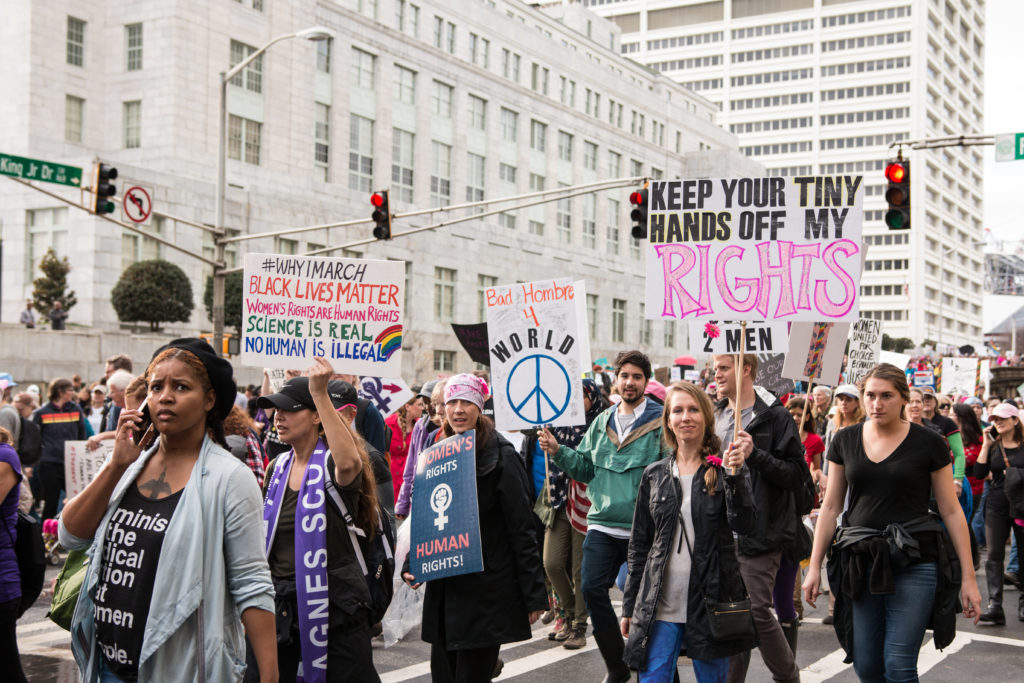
pixel 994 578
pixel 609 642
pixel 790 629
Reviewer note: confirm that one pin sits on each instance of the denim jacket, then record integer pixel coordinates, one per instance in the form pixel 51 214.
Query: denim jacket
pixel 211 569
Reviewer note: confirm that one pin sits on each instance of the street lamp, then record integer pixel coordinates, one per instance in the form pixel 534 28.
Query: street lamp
pixel 316 33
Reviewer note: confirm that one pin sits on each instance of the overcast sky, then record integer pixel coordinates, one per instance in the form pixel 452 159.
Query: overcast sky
pixel 1004 113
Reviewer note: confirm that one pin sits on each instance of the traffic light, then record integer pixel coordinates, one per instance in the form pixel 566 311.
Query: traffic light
pixel 381 215
pixel 639 213
pixel 897 194
pixel 103 188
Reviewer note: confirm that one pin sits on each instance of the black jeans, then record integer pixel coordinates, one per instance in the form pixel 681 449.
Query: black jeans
pixel 9 642
pixel 51 483
pixel 461 666
pixel 999 524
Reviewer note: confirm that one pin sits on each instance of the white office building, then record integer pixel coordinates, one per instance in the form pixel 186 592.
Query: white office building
pixel 825 86
pixel 440 102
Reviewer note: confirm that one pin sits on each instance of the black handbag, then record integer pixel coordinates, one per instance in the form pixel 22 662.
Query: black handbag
pixel 730 620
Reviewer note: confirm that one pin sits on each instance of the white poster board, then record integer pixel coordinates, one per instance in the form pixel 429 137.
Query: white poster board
pixel 900 360
pixel 717 338
pixel 387 394
pixel 81 464
pixel 959 376
pixel 865 348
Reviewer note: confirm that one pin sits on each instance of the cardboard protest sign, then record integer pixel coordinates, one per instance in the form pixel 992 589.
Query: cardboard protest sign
pixel 445 536
pixel 277 378
pixel 900 360
pixel 761 337
pixel 387 394
pixel 959 376
pixel 769 374
pixel 536 371
pixel 816 352
pixel 985 372
pixel 755 248
pixel 81 464
pixel 346 310
pixel 865 348
pixel 474 340
pixel 583 324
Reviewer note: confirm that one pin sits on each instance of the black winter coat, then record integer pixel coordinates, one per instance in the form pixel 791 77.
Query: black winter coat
pixel 776 465
pixel 714 567
pixel 492 607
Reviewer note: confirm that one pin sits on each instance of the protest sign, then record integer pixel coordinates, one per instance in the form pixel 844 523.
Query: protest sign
pixel 347 310
pixel 387 394
pixel 959 376
pixel 985 372
pixel 582 324
pixel 755 248
pixel 691 375
pixel 276 377
pixel 474 340
pixel 675 373
pixel 816 352
pixel 924 378
pixel 445 536
pixel 769 374
pixel 81 464
pixel 535 362
pixel 865 347
pixel 761 337
pixel 900 360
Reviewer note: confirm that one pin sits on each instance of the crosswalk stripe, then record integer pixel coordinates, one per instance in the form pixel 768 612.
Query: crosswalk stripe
pixel 38 626
pixel 825 668
pixel 51 652
pixel 929 656
pixel 530 663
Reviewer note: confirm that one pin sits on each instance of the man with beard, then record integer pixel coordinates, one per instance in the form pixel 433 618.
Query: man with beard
pixel 610 459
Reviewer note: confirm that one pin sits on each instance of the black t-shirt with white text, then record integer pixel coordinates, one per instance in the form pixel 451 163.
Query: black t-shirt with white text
pixel 895 490
pixel 131 553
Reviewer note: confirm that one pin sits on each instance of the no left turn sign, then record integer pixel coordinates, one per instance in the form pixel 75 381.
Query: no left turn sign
pixel 137 204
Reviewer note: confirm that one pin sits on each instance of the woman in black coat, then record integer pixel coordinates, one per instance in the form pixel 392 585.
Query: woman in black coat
pixel 674 569
pixel 467 618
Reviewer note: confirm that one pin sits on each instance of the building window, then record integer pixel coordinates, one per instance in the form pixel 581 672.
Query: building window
pixel 286 246
pixel 47 229
pixel 442 99
pixel 507 173
pixel 444 294
pixel 618 321
pixel 251 77
pixel 449 43
pixel 563 218
pixel 539 76
pixel 670 334
pixel 538 135
pixel 323 55
pixel 360 155
pixel 407 17
pixel 74 111
pixel 589 156
pixel 475 179
pixel 133 127
pixel 636 168
pixel 564 146
pixel 645 328
pixel 240 130
pixel 402 143
pixel 444 361
pixel 76 42
pixel 509 125
pixel 510 65
pixel 441 178
pixel 368 8
pixel 590 221
pixel 592 315
pixel 133 47
pixel 614 164
pixel 364 66
pixel 136 247
pixel 483 283
pixel 536 227
pixel 611 240
pixel 477 113
pixel 322 139
pixel 634 248
pixel 444 35
pixel 405 85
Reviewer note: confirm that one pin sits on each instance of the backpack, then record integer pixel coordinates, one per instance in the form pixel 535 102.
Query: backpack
pixel 31 556
pixel 376 556
pixel 805 495
pixel 30 442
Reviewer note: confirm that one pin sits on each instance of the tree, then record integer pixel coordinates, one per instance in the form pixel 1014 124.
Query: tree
pixel 232 301
pixel 53 285
pixel 896 344
pixel 154 292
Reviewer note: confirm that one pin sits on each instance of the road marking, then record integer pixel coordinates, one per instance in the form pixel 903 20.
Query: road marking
pixel 38 626
pixel 929 656
pixel 825 668
pixel 531 663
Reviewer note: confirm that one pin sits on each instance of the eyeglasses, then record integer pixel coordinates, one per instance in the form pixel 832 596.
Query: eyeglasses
pixel 945 406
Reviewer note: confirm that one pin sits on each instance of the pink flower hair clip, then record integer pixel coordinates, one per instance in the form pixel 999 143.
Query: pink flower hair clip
pixel 711 330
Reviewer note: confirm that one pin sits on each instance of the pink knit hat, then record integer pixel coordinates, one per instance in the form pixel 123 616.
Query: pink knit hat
pixel 466 387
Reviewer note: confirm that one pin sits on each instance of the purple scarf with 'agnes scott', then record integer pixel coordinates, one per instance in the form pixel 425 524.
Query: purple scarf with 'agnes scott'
pixel 310 554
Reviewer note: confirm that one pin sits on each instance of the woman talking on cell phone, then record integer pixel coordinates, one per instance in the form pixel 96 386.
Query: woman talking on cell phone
pixel 175 534
pixel 1001 448
pixel 891 558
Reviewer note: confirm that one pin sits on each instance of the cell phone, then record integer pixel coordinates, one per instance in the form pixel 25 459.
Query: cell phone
pixel 992 433
pixel 144 426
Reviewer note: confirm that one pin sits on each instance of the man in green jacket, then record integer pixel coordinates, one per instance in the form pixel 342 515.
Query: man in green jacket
pixel 611 459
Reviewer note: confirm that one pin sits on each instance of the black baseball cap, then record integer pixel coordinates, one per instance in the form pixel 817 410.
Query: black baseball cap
pixel 294 395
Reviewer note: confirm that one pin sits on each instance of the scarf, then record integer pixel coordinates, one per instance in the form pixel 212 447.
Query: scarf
pixel 570 437
pixel 310 554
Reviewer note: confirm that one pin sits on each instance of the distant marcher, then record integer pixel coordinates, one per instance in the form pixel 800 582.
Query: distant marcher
pixel 57 316
pixel 59 420
pixel 28 317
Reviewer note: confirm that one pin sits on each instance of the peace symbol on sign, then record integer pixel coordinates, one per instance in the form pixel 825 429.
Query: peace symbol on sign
pixel 538 389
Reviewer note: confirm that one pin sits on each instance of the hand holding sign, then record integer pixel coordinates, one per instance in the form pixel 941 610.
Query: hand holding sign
pixel 547 441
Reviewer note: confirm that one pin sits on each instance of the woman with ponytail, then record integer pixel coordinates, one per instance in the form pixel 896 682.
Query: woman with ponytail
pixel 681 551
pixel 173 526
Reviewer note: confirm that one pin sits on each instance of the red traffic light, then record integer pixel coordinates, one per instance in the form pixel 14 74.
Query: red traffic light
pixel 636 198
pixel 895 173
pixel 377 199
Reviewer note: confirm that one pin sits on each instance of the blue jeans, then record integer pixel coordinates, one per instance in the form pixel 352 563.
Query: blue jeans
pixel 666 639
pixel 602 557
pixel 888 629
pixel 1012 565
pixel 106 675
pixel 978 520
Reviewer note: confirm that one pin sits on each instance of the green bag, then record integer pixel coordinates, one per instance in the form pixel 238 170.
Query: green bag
pixel 69 585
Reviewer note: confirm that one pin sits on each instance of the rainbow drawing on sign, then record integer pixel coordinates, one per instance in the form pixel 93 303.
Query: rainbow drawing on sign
pixel 390 340
pixel 819 338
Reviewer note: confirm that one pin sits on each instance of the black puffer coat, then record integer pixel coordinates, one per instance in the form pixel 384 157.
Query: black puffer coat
pixel 492 607
pixel 715 518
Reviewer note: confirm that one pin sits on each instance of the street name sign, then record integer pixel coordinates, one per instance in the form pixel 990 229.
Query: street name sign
pixel 1010 147
pixel 34 169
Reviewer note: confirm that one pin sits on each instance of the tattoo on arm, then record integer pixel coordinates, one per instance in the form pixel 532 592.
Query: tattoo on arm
pixel 155 489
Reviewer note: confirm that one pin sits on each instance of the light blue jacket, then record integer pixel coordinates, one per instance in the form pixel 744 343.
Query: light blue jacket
pixel 212 568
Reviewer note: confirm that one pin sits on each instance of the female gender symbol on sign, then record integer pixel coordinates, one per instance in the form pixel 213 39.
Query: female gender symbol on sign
pixel 538 389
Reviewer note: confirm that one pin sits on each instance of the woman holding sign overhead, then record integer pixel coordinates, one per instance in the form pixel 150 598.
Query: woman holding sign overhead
pixel 466 618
